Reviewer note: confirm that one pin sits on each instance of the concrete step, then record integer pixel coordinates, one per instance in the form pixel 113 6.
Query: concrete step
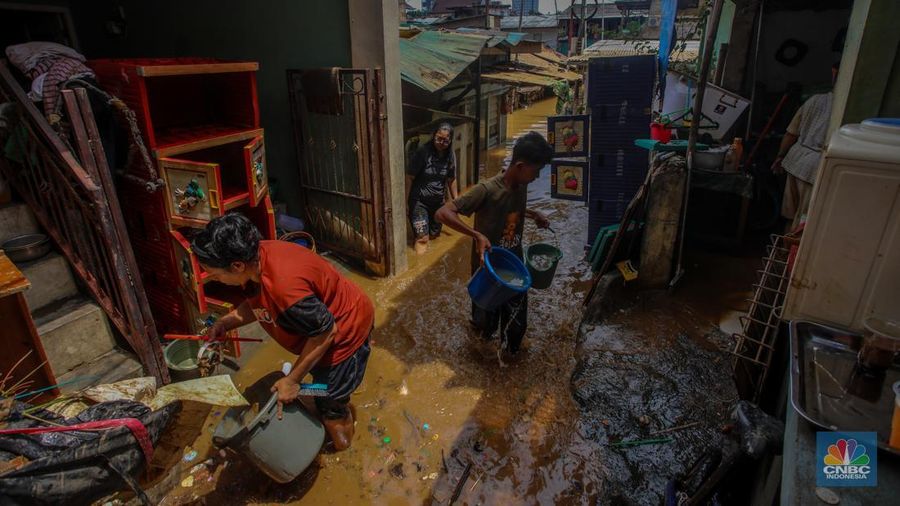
pixel 114 365
pixel 51 280
pixel 73 331
pixel 17 219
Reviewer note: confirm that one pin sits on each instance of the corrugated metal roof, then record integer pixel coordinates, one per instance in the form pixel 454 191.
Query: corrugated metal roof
pixel 512 22
pixel 538 65
pixel 611 48
pixel 496 37
pixel 518 77
pixel 426 21
pixel 432 59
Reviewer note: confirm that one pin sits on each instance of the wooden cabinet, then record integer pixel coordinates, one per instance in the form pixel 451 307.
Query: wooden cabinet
pixel 206 183
pixel 200 119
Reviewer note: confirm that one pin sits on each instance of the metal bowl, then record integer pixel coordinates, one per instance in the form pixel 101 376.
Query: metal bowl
pixel 24 248
pixel 709 160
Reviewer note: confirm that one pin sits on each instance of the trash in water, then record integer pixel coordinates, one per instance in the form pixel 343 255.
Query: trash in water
pixel 432 476
pixel 190 456
pixel 403 389
pixel 397 471
pixel 425 426
pixel 541 262
pixel 188 482
pixel 286 368
pixel 387 439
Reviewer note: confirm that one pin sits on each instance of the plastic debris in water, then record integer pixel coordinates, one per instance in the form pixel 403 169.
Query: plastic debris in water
pixel 190 456
pixel 541 262
pixel 387 439
pixel 432 476
pixel 286 368
pixel 425 426
pixel 403 388
pixel 188 482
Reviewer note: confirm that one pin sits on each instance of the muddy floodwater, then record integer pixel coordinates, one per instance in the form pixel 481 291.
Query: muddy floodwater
pixel 437 398
pixel 443 414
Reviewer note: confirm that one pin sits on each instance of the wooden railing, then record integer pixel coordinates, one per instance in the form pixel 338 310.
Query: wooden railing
pixel 74 199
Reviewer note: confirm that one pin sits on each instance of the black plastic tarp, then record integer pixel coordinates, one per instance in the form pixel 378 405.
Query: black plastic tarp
pixel 80 467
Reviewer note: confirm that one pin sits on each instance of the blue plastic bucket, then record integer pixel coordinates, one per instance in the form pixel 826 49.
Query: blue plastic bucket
pixel 502 277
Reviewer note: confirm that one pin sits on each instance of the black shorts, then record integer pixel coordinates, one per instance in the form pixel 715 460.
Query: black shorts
pixel 342 379
pixel 421 217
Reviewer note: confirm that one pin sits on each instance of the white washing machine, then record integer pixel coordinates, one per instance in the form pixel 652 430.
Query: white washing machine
pixel 848 265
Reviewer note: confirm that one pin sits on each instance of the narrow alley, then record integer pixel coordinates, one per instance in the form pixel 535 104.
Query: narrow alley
pixel 236 260
pixel 516 422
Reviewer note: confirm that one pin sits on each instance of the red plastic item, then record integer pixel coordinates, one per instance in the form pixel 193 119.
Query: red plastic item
pixel 191 337
pixel 660 132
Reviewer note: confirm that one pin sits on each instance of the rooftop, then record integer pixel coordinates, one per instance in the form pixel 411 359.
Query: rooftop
pixel 542 21
pixel 432 59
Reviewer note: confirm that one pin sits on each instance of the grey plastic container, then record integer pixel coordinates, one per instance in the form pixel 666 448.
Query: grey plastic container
pixel 281 448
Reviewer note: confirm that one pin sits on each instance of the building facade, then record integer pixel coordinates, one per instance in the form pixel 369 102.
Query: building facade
pixel 525 6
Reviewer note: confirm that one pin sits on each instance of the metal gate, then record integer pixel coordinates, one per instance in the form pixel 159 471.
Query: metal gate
pixel 339 135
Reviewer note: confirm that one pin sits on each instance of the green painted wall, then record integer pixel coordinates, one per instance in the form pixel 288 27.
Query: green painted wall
pixel 279 34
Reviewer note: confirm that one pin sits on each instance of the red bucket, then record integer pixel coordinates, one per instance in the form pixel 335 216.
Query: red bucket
pixel 659 132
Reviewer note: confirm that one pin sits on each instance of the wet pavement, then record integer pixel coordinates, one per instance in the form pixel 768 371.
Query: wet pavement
pixel 436 399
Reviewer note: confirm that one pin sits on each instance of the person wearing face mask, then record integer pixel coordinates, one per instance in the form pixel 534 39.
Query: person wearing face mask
pixel 431 173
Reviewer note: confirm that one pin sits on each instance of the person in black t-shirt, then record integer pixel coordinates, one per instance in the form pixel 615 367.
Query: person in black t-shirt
pixel 432 172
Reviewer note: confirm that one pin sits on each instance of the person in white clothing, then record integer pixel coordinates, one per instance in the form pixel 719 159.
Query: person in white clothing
pixel 800 153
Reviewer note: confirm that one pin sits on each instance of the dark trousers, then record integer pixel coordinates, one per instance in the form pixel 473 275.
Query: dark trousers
pixel 342 379
pixel 511 318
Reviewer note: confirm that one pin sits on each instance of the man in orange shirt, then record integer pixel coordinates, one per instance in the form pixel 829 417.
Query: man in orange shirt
pixel 303 303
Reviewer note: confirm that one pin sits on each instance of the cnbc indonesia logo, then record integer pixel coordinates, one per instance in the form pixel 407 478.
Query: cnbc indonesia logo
pixel 845 459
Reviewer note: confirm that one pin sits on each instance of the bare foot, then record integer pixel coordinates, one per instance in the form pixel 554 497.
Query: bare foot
pixel 421 246
pixel 340 431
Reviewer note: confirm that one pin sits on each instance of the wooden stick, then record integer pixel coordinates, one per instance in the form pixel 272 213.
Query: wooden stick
pixel 9 373
pixel 462 481
pixel 36 369
pixel 672 429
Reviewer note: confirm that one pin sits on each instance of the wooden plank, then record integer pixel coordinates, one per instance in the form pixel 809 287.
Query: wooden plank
pixel 200 68
pixel 20 338
pixel 208 143
pixel 12 280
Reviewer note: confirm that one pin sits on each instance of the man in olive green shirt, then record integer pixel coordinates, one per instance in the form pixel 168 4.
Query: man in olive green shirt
pixel 499 207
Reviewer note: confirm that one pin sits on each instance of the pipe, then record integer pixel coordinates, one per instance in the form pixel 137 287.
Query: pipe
pixel 712 27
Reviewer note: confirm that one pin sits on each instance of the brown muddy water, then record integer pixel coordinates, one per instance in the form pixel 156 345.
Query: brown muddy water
pixel 435 394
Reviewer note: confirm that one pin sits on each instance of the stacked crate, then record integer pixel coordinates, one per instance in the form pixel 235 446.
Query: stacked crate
pixel 619 97
pixel 200 120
